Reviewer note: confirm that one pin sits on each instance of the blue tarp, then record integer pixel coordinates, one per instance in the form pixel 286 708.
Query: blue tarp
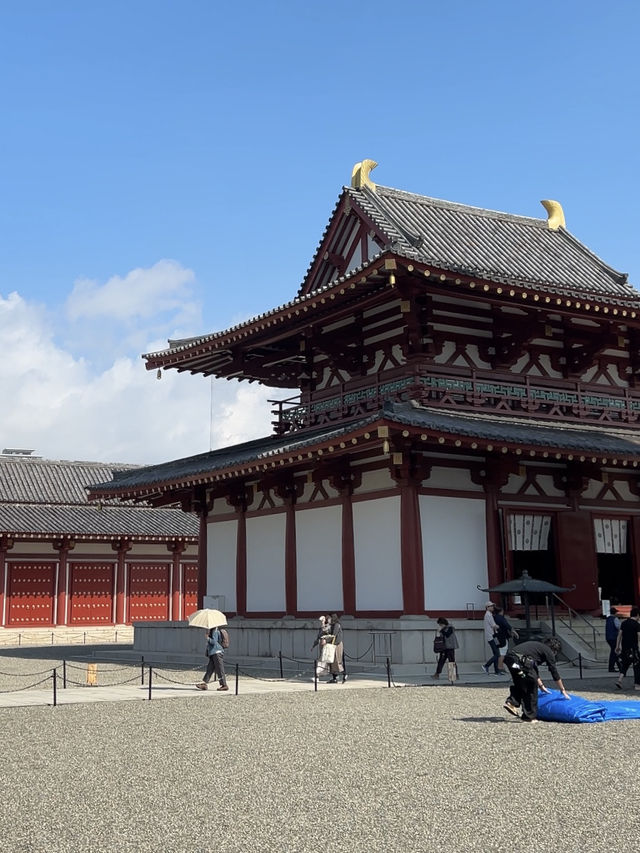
pixel 554 708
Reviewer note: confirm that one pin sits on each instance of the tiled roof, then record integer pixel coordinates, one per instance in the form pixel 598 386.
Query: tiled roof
pixel 546 435
pixel 93 522
pixel 551 435
pixel 43 497
pixel 31 479
pixel 489 244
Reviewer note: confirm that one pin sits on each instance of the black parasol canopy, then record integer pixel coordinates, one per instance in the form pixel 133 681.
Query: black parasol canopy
pixel 525 586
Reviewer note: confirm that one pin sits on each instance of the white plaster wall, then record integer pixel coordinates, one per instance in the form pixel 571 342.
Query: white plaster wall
pixel 265 563
pixel 221 560
pixel 373 481
pixel 451 478
pixel 376 530
pixel 454 552
pixel 319 558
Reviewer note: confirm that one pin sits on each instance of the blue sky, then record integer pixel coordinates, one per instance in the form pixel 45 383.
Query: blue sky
pixel 168 168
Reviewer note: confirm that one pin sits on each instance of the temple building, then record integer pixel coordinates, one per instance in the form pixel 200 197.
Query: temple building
pixel 466 408
pixel 66 562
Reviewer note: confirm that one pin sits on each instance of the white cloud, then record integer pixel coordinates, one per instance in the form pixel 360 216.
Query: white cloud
pixel 64 407
pixel 140 293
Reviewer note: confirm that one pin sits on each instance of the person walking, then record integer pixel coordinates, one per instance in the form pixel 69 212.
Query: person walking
pixel 503 635
pixel 448 654
pixel 611 630
pixel 490 632
pixel 215 653
pixel 321 640
pixel 627 648
pixel 523 662
pixel 337 666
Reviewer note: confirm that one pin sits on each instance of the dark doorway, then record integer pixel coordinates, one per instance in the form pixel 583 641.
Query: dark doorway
pixel 615 578
pixel 541 565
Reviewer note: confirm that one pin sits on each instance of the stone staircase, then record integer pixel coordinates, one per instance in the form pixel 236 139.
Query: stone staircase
pixel 581 635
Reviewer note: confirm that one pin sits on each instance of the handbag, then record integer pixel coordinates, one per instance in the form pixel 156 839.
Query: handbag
pixel 438 644
pixel 328 653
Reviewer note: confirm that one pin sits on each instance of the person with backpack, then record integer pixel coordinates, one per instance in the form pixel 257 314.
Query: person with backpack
pixel 503 635
pixel 217 642
pixel 611 629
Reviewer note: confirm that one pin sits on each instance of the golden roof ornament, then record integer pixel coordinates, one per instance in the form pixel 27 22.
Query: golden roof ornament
pixel 360 175
pixel 555 219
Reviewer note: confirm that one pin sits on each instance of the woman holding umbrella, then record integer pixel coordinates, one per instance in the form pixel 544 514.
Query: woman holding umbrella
pixel 217 641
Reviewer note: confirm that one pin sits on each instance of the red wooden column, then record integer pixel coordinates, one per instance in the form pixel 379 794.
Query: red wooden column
pixel 493 476
pixel 290 490
pixel 408 474
pixel 345 481
pixel 240 499
pixel 121 546
pixel 176 548
pixel 5 545
pixel 62 546
pixel 202 559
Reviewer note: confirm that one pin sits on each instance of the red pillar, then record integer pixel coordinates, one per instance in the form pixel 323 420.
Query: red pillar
pixel 345 480
pixel 177 549
pixel 121 546
pixel 202 559
pixel 495 568
pixel 5 545
pixel 411 550
pixel 62 546
pixel 241 563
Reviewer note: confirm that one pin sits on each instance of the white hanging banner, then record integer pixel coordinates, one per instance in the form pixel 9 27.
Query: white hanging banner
pixel 611 535
pixel 528 532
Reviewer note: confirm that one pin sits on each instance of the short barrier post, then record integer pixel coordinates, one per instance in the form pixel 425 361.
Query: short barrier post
pixel 388 673
pixel 64 674
pixel 150 680
pixel 52 638
pixel 315 676
pixel 237 677
pixel 142 670
pixel 280 659
pixel 580 663
pixel 55 688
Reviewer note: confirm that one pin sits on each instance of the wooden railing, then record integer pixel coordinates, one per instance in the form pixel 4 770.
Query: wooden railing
pixel 522 396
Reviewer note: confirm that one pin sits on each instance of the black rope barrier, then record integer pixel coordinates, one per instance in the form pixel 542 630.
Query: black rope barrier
pixel 28 687
pixel 111 684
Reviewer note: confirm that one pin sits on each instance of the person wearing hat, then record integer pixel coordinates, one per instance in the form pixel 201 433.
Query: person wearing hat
pixel 491 636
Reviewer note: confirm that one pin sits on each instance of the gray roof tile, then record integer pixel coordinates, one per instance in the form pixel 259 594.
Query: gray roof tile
pixel 43 497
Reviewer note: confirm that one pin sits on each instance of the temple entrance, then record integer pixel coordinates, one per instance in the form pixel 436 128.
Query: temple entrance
pixel 615 578
pixel 531 545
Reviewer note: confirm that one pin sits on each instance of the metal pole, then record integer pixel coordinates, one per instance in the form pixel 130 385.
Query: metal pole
pixel 280 659
pixel 315 676
pixel 64 674
pixel 580 663
pixel 388 673
pixel 150 680
pixel 142 667
pixel 237 677
pixel 55 689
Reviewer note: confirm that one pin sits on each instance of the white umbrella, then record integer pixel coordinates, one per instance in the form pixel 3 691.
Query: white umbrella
pixel 207 618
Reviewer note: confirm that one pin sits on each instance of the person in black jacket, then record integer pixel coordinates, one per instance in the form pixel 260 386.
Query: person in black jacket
pixel 522 662
pixel 448 654
pixel 337 666
pixel 627 648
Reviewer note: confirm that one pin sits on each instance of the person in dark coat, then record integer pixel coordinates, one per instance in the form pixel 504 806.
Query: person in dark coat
pixel 627 647
pixel 522 662
pixel 215 654
pixel 337 666
pixel 503 634
pixel 611 629
pixel 448 634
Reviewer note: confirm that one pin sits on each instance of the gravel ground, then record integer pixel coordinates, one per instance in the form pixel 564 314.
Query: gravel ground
pixel 412 769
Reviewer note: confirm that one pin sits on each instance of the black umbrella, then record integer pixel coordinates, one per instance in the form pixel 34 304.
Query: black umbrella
pixel 525 585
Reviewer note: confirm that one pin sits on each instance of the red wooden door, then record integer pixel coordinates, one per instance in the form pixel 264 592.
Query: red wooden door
pixel 149 589
pixel 189 589
pixel 578 561
pixel 91 594
pixel 31 594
